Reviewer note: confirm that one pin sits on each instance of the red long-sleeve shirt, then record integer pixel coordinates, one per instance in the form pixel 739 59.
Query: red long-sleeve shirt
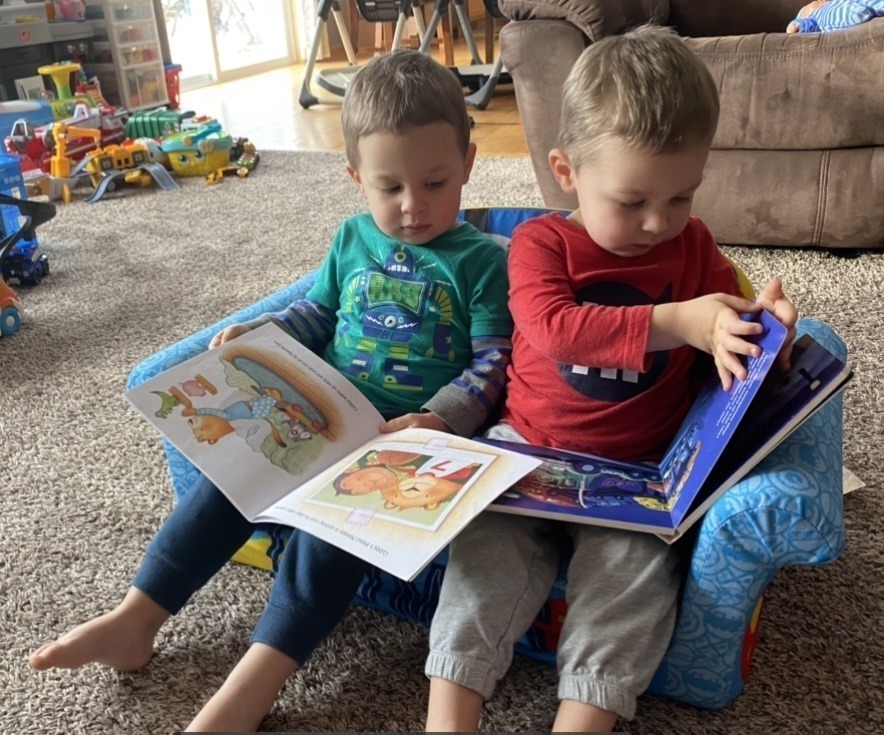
pixel 580 377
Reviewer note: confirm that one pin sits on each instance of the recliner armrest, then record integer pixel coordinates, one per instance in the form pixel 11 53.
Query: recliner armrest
pixel 595 18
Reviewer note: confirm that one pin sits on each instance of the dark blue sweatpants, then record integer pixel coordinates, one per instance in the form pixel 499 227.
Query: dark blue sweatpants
pixel 308 597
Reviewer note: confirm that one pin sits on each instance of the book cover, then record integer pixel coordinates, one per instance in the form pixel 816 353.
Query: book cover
pixel 723 436
pixel 290 440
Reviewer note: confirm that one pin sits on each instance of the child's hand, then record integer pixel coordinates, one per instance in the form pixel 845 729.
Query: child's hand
pixel 712 324
pixel 227 334
pixel 727 344
pixel 777 303
pixel 427 420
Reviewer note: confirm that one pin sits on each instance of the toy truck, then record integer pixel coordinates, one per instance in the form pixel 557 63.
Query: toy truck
pixel 22 237
pixel 24 264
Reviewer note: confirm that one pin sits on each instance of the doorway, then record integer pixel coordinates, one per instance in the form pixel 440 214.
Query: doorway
pixel 222 40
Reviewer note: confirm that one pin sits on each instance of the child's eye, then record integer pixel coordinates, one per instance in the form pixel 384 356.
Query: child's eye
pixel 435 184
pixel 391 189
pixel 633 205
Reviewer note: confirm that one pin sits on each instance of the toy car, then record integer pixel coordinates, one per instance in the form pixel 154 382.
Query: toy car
pixel 20 219
pixel 25 264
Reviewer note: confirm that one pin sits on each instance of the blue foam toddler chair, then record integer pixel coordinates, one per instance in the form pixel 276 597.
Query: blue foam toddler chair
pixel 787 511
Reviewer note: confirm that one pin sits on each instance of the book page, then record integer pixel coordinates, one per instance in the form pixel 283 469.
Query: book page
pixel 259 415
pixel 713 420
pixel 583 488
pixel 784 401
pixel 398 500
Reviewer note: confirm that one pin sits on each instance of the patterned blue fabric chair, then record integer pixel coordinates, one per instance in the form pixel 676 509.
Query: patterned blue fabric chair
pixel 787 511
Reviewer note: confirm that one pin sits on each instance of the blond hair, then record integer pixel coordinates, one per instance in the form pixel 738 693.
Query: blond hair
pixel 645 88
pixel 394 92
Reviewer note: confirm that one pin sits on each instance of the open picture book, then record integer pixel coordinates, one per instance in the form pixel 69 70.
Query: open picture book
pixel 723 436
pixel 290 440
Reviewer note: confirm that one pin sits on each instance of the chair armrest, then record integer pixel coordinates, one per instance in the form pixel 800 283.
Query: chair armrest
pixel 787 511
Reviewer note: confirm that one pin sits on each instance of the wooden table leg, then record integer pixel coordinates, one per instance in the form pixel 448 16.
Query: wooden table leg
pixel 447 42
pixel 353 25
pixel 490 25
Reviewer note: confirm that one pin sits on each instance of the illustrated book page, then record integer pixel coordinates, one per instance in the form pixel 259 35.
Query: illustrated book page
pixel 399 499
pixel 288 439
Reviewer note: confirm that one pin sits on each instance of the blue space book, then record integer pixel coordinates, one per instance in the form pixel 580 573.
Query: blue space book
pixel 724 435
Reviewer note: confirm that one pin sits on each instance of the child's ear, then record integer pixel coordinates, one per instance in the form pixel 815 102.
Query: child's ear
pixel 354 175
pixel 469 159
pixel 562 170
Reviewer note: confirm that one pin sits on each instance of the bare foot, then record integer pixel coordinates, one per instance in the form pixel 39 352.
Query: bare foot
pixel 121 639
pixel 248 694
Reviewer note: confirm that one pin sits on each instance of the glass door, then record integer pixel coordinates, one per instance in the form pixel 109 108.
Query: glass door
pixel 219 40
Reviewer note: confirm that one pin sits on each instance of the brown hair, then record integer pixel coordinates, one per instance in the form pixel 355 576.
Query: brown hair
pixel 644 87
pixel 396 91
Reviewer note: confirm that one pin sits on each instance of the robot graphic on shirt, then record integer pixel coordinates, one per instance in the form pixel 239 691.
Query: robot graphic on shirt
pixel 396 304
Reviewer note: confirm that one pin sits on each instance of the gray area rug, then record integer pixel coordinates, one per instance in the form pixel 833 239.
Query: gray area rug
pixel 83 483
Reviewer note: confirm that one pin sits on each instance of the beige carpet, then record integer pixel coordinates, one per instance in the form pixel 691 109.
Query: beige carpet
pixel 83 484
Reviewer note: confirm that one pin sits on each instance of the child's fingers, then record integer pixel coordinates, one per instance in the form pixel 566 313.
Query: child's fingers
pixel 402 422
pixel 736 345
pixel 786 313
pixel 784 359
pixel 724 375
pixel 731 324
pixel 728 361
pixel 739 304
pixel 772 290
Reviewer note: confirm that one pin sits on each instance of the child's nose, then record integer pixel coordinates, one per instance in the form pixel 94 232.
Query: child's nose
pixel 656 223
pixel 412 202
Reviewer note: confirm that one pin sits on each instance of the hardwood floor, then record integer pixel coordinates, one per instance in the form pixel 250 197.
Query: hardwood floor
pixel 265 108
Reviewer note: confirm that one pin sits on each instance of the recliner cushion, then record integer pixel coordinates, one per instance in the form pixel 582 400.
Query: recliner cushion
pixel 798 92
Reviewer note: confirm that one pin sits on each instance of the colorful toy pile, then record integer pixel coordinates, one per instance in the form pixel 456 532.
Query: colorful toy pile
pixel 75 137
pixel 87 141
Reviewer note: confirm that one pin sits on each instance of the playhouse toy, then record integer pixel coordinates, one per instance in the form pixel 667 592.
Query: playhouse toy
pixel 200 150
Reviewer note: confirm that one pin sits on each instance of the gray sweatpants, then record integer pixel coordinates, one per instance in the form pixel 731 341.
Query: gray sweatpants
pixel 622 596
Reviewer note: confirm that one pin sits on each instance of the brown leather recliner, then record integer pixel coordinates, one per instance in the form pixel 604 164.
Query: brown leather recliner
pixel 798 158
